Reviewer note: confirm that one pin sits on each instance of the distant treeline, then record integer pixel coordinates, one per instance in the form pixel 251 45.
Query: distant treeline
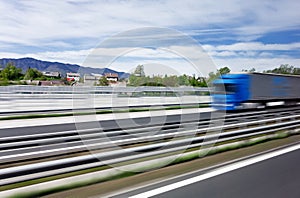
pixel 138 78
pixel 10 74
pixel 166 81
pixel 284 69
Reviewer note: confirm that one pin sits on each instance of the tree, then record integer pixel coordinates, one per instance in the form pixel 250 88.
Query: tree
pixel 170 81
pixel 197 82
pixel 103 81
pixel 285 69
pixel 157 80
pixel 252 70
pixel 10 72
pixel 137 78
pixel 212 76
pixel 139 71
pixel 32 74
pixel 296 71
pixel 183 80
pixel 223 70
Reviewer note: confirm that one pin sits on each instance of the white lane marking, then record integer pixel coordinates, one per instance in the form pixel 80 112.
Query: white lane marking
pixel 216 172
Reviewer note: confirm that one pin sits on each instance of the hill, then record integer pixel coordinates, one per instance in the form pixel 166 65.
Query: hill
pixel 63 68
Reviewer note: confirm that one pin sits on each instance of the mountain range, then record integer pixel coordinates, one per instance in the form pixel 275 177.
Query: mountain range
pixel 63 68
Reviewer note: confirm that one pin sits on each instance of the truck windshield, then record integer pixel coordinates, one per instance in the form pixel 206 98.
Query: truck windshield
pixel 225 88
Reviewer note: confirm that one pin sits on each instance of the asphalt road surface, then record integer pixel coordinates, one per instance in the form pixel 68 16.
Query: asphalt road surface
pixel 105 125
pixel 278 177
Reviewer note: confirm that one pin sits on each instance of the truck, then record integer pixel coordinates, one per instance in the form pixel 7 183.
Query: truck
pixel 254 90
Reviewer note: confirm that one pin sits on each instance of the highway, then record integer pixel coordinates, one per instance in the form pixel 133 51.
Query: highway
pixel 33 142
pixel 44 127
pixel 276 177
pixel 37 148
pixel 109 122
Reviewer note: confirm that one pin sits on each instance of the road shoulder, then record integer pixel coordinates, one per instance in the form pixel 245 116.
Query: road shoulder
pixel 110 188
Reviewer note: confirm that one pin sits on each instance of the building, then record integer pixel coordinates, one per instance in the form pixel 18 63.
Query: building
pixel 112 77
pixel 91 79
pixel 51 74
pixel 73 76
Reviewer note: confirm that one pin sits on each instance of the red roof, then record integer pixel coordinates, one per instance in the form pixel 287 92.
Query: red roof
pixel 115 75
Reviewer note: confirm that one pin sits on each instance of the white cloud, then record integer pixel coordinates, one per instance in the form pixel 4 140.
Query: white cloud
pixel 246 55
pixel 266 54
pixel 256 46
pixel 260 63
pixel 222 53
pixel 166 58
pixel 36 23
pixel 253 46
pixel 66 31
pixel 180 59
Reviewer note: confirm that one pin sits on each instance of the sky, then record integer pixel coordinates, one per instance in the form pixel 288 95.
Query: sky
pixel 191 36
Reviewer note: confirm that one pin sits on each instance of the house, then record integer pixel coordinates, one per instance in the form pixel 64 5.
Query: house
pixel 73 76
pixel 91 79
pixel 113 77
pixel 51 74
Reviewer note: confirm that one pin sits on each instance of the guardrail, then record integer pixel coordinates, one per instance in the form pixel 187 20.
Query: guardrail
pixel 232 131
pixel 27 89
pixel 114 109
pixel 22 99
pixel 101 141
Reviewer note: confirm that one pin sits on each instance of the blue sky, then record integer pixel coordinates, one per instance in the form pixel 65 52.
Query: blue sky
pixel 234 33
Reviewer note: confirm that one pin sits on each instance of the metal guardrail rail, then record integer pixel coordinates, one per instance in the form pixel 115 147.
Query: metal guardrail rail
pixel 140 147
pixel 115 108
pixel 75 137
pixel 95 89
pixel 114 157
pixel 22 100
pixel 99 141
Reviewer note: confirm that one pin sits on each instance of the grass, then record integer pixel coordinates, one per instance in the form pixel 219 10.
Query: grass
pixel 70 186
pixel 45 179
pixel 224 148
pixel 31 116
pixel 184 158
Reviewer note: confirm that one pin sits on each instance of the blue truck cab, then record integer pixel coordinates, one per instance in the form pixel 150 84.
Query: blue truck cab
pixel 230 91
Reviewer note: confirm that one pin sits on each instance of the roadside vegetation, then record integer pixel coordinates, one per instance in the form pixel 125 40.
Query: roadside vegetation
pixel 285 69
pixel 11 75
pixel 138 78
